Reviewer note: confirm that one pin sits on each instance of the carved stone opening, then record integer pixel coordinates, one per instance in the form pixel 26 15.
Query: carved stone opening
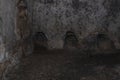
pixel 70 40
pixel 40 41
pixel 104 42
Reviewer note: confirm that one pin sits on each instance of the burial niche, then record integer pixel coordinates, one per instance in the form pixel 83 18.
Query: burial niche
pixel 70 40
pixel 104 42
pixel 40 41
pixel 100 41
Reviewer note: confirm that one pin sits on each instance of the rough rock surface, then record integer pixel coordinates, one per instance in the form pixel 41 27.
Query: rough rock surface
pixel 11 48
pixel 83 17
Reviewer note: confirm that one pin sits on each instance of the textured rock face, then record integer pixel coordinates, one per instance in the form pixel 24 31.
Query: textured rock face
pixel 7 37
pixel 83 17
pixel 11 43
pixel 86 19
pixel 113 20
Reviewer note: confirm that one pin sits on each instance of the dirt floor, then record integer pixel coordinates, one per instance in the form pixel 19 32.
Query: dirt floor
pixel 68 65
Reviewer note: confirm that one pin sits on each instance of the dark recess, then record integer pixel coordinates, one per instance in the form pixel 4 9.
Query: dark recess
pixel 40 41
pixel 70 39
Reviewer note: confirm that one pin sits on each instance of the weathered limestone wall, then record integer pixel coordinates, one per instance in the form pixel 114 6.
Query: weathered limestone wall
pixel 89 23
pixel 12 47
pixel 83 17
pixel 8 40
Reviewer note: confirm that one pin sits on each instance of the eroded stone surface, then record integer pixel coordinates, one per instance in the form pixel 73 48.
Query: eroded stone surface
pixel 56 17
pixel 11 48
pixel 86 18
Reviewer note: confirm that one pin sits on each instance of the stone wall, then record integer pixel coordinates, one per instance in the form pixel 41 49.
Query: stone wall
pixel 7 36
pixel 86 19
pixel 12 48
pixel 83 17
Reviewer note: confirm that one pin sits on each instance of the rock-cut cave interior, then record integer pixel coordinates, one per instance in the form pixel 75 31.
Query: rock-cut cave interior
pixel 59 39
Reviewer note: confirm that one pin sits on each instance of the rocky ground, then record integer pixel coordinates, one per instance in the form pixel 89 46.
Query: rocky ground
pixel 68 65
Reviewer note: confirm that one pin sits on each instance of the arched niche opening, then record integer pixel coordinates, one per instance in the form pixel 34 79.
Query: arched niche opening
pixel 70 40
pixel 100 42
pixel 104 42
pixel 40 41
